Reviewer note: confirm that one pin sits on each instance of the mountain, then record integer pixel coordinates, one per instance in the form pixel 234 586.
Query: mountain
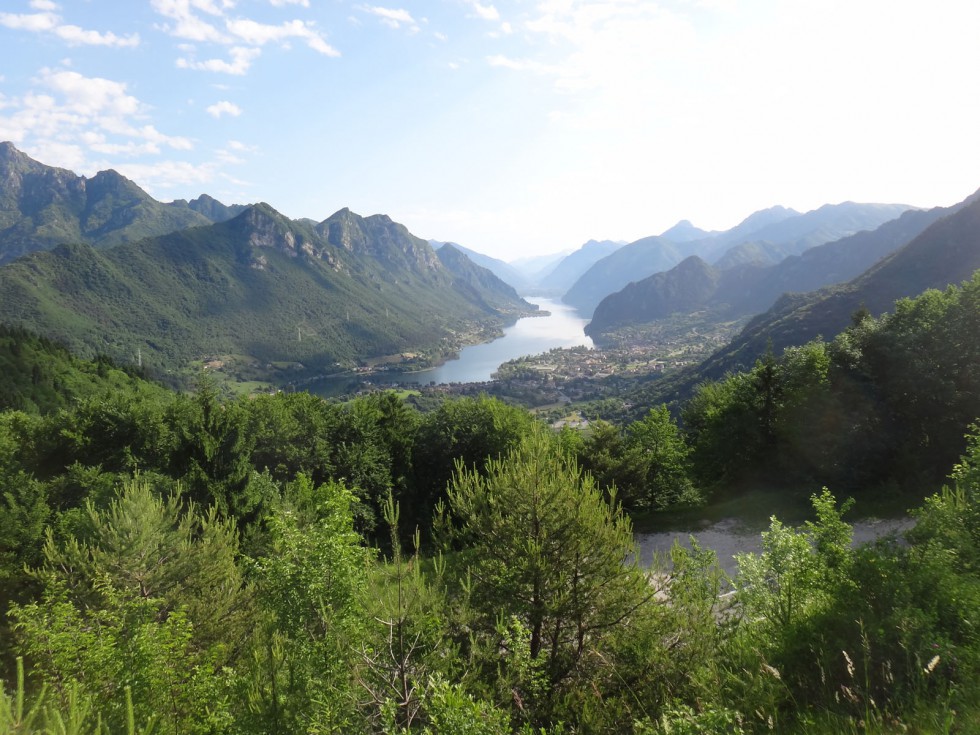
pixel 684 231
pixel 946 252
pixel 211 208
pixel 755 253
pixel 258 285
pixel 765 236
pixel 504 271
pixel 481 284
pixel 42 206
pixel 684 288
pixel 795 234
pixel 637 260
pixel 751 288
pixel 570 268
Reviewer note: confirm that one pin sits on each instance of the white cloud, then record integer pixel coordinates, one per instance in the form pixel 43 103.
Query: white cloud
pixel 259 34
pixel 505 62
pixel 187 24
pixel 91 95
pixel 241 61
pixel 68 116
pixel 283 3
pixel 486 12
pixel 392 17
pixel 76 35
pixel 165 175
pixel 29 21
pixel 49 22
pixel 224 108
pixel 47 5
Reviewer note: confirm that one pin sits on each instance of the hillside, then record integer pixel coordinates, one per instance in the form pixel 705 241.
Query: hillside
pixel 281 293
pixel 750 288
pixel 42 206
pixel 502 270
pixel 947 252
pixel 631 262
pixel 481 284
pixel 41 376
pixel 762 238
pixel 570 268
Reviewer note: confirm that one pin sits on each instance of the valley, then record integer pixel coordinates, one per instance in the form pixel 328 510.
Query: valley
pixel 287 406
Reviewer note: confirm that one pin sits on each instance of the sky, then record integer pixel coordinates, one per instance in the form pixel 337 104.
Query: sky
pixel 513 127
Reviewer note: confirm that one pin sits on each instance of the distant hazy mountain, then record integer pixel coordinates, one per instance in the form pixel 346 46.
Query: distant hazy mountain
pixel 570 268
pixel 755 253
pixel 773 233
pixel 503 270
pixel 259 285
pixel 534 267
pixel 751 288
pixel 637 260
pixel 684 288
pixel 795 234
pixel 42 206
pixel 946 252
pixel 684 231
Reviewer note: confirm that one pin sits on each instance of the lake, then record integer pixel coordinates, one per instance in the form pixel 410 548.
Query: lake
pixel 477 363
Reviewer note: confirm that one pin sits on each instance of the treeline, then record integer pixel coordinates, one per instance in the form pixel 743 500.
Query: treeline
pixel 185 563
pixel 884 404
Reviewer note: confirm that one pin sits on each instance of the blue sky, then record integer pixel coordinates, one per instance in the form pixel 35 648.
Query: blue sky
pixel 514 127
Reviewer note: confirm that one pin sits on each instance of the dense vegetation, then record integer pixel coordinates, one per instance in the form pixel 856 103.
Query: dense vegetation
pixel 188 563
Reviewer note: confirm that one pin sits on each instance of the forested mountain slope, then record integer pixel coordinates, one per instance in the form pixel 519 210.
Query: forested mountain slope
pixel 258 285
pixel 42 206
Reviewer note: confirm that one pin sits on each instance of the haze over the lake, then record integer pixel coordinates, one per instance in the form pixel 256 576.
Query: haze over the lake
pixel 511 127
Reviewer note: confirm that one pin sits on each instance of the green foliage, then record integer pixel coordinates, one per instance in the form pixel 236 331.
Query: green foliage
pixel 468 431
pixel 648 464
pixel 153 548
pixel 549 553
pixel 885 402
pixel 149 601
pixel 797 570
pixel 71 713
pixel 41 376
pixel 309 585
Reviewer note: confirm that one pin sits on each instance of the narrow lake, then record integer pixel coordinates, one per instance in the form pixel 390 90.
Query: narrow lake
pixel 477 363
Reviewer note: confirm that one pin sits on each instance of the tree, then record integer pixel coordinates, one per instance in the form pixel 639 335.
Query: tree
pixel 553 563
pixel 466 430
pixel 664 457
pixel 309 590
pixel 150 598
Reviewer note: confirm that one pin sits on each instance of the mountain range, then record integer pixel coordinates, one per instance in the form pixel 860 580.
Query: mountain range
pixel 43 206
pixel 167 283
pixel 750 288
pixel 763 238
pixel 945 252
